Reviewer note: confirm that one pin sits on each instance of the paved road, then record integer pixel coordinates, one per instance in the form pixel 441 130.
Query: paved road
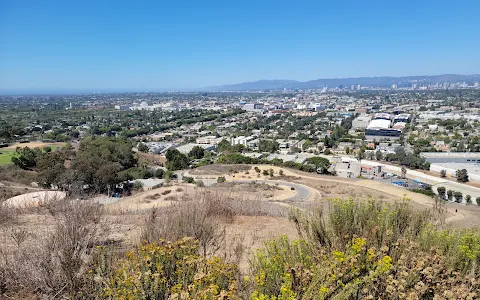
pixel 302 192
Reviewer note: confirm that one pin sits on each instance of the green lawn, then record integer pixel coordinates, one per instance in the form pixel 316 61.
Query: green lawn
pixel 6 156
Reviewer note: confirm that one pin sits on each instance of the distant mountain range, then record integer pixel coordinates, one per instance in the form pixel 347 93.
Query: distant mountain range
pixel 384 81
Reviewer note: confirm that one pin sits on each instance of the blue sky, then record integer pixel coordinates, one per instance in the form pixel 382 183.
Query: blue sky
pixel 152 45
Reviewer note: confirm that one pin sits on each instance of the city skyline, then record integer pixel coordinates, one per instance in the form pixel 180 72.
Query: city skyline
pixel 59 46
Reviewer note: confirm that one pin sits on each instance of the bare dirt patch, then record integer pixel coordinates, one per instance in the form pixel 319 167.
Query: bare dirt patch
pixel 34 199
pixel 34 145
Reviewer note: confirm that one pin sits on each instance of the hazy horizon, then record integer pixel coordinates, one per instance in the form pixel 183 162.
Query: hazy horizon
pixel 107 45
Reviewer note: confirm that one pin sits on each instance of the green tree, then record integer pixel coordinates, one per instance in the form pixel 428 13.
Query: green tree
pixel 99 159
pixel 188 179
pixel 361 154
pixel 378 155
pixel 443 173
pixel 137 185
pixel 450 195
pixel 458 196
pixel 224 146
pixel 239 148
pixel 477 200
pixel 462 175
pixel 107 175
pixel 320 163
pixel 176 160
pixel 468 199
pixel 308 143
pixel 47 149
pixel 268 146
pixel 197 152
pixel 142 147
pixel 159 173
pixel 26 158
pixel 441 191
pixel 51 169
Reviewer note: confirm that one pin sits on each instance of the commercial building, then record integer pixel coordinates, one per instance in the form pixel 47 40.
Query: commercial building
pixel 405 118
pixel 379 124
pixel 450 162
pixel 379 129
pixel 185 149
pixel 210 139
pixel 383 116
pixel 452 157
pixel 241 140
pixel 361 110
pixel 253 107
pixel 361 122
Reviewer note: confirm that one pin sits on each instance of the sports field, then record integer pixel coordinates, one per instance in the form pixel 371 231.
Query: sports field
pixel 6 156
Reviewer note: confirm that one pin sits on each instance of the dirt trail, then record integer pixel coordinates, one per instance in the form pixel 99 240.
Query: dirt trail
pixel 457 214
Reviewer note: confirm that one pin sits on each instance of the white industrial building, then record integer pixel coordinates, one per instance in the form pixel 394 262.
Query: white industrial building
pixel 254 107
pixel 405 118
pixel 379 124
pixel 383 116
pixel 361 122
pixel 453 161
pixel 452 157
pixel 185 149
pixel 210 139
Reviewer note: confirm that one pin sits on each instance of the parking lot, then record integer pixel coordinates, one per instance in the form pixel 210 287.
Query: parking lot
pixel 395 180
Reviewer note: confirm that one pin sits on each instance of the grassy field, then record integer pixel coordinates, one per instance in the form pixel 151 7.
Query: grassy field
pixel 5 157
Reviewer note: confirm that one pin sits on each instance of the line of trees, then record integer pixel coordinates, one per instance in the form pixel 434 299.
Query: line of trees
pixel 312 164
pixel 445 194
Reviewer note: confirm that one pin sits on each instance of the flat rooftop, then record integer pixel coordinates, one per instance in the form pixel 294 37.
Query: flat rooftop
pixel 472 169
pixel 475 155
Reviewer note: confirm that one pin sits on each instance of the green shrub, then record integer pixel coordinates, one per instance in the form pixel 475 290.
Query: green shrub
pixel 164 271
pixel 427 191
pixel 468 199
pixel 188 179
pixel 137 185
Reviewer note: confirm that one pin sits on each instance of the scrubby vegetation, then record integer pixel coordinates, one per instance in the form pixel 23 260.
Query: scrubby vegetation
pixel 313 164
pixel 348 249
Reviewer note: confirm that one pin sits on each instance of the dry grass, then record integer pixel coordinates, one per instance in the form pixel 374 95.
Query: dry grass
pixel 51 263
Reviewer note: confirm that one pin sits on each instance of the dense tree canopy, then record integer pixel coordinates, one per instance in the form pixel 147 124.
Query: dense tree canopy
pixel 268 146
pixel 176 160
pixel 26 158
pixel 197 152
pixel 99 161
pixel 320 163
pixel 462 175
